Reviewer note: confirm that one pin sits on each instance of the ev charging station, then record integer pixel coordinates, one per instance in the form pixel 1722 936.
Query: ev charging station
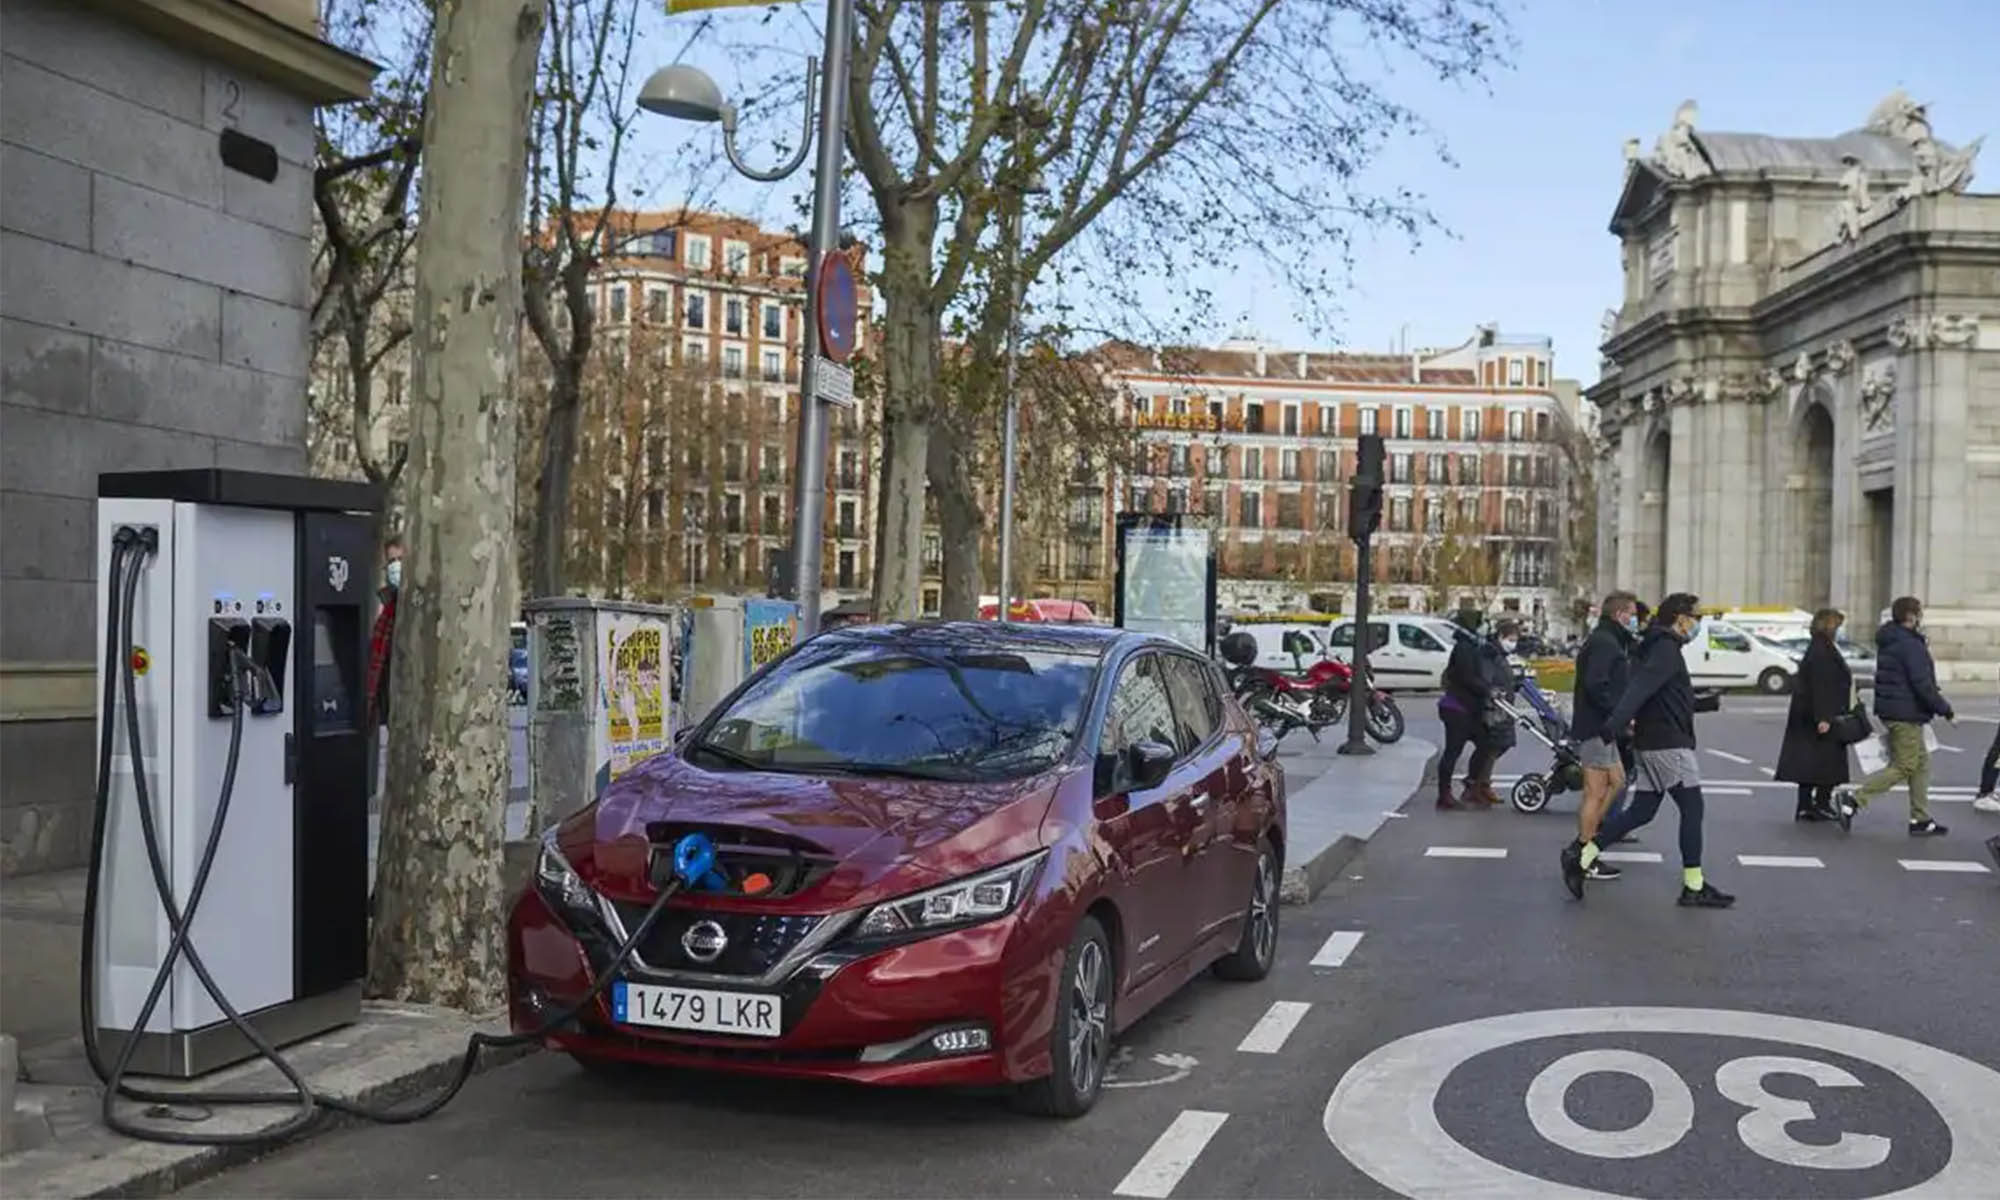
pixel 239 576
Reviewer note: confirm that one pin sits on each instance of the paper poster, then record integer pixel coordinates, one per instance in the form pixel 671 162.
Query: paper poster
pixel 632 690
pixel 771 627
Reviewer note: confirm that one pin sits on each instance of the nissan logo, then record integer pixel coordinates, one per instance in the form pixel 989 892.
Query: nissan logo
pixel 704 941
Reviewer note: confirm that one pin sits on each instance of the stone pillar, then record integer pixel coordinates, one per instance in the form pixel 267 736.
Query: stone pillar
pixel 1686 499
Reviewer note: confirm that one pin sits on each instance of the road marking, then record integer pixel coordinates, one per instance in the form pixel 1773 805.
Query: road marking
pixel 1944 864
pixel 1170 1157
pixel 1383 1114
pixel 1631 856
pixel 1337 947
pixel 1714 790
pixel 1179 1067
pixel 1948 748
pixel 1268 1035
pixel 1778 860
pixel 1466 852
pixel 1735 758
pixel 1982 720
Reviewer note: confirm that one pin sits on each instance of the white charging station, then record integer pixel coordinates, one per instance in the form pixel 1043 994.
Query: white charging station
pixel 282 570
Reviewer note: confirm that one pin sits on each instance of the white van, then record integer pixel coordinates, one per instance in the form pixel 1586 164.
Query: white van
pixel 1721 655
pixel 1406 651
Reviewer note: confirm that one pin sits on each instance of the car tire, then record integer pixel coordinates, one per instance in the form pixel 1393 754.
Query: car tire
pixel 1774 682
pixel 1257 946
pixel 1080 1042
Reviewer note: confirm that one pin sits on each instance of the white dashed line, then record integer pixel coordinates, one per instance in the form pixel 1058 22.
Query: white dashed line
pixel 1269 1034
pixel 1630 856
pixel 1339 945
pixel 1712 790
pixel 1466 852
pixel 1951 749
pixel 1768 771
pixel 1735 758
pixel 1944 864
pixel 1779 860
pixel 1162 1167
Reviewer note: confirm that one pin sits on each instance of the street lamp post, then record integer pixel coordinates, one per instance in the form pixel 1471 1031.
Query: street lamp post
pixel 687 93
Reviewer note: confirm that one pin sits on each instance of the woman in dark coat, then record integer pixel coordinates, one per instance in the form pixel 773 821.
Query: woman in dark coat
pixel 1823 691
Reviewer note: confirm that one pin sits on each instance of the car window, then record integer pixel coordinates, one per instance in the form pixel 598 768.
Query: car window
pixel 1140 710
pixel 1378 634
pixel 917 707
pixel 1722 638
pixel 1196 712
pixel 1342 636
pixel 1415 637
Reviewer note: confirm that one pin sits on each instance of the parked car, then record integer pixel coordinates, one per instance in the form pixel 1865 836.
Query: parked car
pixel 517 665
pixel 1720 655
pixel 1406 652
pixel 955 853
pixel 1860 659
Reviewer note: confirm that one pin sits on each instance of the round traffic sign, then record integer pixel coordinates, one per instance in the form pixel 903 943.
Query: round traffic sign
pixel 838 307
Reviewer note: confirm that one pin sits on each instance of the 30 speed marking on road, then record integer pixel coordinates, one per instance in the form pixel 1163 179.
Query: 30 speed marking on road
pixel 1383 1113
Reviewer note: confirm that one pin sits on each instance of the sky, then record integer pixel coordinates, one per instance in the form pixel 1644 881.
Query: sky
pixel 1539 152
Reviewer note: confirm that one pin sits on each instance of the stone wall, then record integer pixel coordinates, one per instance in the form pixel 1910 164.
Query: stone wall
pixel 152 315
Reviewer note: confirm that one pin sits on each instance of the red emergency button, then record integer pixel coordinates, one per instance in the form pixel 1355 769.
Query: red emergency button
pixel 140 660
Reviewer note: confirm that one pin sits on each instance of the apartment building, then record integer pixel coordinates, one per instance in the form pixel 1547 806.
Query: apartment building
pixel 1261 442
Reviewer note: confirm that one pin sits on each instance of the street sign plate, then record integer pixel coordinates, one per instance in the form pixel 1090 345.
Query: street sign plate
pixel 834 383
pixel 838 307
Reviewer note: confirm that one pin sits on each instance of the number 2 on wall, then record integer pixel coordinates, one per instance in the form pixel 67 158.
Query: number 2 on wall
pixel 233 91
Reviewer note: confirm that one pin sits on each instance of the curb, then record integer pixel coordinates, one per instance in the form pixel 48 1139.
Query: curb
pixel 1303 882
pixel 154 1169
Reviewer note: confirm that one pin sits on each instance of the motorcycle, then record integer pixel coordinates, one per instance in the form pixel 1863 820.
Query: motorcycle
pixel 1313 697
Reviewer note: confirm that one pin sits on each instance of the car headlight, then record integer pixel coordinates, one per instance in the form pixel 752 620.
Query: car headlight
pixel 561 886
pixel 963 902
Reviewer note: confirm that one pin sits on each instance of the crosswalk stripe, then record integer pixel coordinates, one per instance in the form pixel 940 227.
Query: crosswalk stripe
pixel 1162 1166
pixel 1735 758
pixel 1944 864
pixel 1268 1035
pixel 1778 860
pixel 1466 852
pixel 1630 856
pixel 1339 944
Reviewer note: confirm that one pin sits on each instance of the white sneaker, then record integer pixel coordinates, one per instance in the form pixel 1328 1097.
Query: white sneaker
pixel 1989 803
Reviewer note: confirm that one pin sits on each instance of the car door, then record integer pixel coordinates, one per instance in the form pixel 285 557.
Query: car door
pixel 1219 872
pixel 1147 831
pixel 1721 656
pixel 1420 658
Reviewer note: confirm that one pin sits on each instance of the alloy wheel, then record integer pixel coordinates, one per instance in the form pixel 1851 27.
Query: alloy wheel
pixel 1263 928
pixel 1089 999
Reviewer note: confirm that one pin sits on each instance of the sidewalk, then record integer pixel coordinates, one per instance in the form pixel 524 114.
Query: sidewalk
pixel 1335 803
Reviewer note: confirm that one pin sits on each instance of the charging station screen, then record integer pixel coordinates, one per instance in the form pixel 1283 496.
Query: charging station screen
pixel 333 677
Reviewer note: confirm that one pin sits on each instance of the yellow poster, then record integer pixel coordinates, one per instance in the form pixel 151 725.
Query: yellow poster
pixel 632 679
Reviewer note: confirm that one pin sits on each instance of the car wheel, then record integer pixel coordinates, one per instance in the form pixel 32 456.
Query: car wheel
pixel 1080 1043
pixel 1775 682
pixel 1257 947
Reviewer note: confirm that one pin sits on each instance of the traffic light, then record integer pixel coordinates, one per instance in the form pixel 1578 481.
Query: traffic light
pixel 1364 508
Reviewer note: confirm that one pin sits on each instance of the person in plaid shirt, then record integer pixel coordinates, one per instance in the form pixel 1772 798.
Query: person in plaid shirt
pixel 382 641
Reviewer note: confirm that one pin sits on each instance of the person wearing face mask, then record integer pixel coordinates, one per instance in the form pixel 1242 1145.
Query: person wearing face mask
pixel 1907 699
pixel 382 640
pixel 1602 669
pixel 1660 704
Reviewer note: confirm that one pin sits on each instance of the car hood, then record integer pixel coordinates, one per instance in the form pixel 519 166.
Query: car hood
pixel 885 836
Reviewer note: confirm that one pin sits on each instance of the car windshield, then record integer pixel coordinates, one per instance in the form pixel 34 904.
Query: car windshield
pixel 860 707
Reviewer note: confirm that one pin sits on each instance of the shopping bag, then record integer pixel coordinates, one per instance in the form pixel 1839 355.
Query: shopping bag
pixel 1872 754
pixel 1930 739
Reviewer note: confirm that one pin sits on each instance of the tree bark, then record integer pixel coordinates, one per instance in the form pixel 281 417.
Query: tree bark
pixel 550 548
pixel 913 331
pixel 436 937
pixel 961 522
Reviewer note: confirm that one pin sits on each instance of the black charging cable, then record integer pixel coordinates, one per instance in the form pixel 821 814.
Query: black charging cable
pixel 131 548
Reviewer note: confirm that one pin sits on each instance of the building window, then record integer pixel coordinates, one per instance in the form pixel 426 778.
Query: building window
pixel 1368 418
pixel 933 603
pixel 1516 424
pixel 845 576
pixel 1434 515
pixel 774 366
pixel 736 257
pixel 1514 372
pixel 1291 420
pixel 933 554
pixel 617 302
pixel 848 524
pixel 732 317
pixel 1468 424
pixel 1434 420
pixel 661 243
pixel 1541 427
pixel 1290 506
pixel 1399 468
pixel 1329 510
pixel 1177 460
pixel 656 305
pixel 792 268
pixel 732 362
pixel 1399 513
pixel 1251 508
pixel 1253 462
pixel 732 512
pixel 1215 414
pixel 850 470
pixel 1405 420
pixel 1051 558
pixel 1253 417
pixel 1329 420
pixel 772 468
pixel 1517 471
pixel 1178 406
pixel 1177 498
pixel 1288 462
pixel 697 251
pixel 774 320
pixel 1541 373
pixel 1468 468
pixel 1140 499
pixel 774 412
pixel 1468 514
pixel 697 311
pixel 1329 466
pixel 732 462
pixel 1214 467
pixel 655 504
pixel 1082 559
pixel 774 521
pixel 1211 502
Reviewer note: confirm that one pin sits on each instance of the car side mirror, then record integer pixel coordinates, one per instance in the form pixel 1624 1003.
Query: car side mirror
pixel 1148 765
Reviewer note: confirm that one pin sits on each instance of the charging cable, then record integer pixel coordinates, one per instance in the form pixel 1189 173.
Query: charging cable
pixel 694 857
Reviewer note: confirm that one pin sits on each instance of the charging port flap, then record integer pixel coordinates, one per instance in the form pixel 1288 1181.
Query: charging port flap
pixel 224 633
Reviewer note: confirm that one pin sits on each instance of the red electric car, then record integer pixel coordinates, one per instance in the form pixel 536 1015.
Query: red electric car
pixel 946 854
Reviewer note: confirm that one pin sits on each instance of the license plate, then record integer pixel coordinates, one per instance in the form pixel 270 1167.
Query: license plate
pixel 698 1009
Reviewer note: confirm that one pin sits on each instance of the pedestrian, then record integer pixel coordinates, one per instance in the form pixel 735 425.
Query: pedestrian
pixel 1602 670
pixel 382 640
pixel 1907 699
pixel 1660 703
pixel 1811 756
pixel 1462 709
pixel 1989 776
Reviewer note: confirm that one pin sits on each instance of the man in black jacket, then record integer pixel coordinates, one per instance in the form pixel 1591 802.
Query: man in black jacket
pixel 1906 698
pixel 1602 669
pixel 1660 703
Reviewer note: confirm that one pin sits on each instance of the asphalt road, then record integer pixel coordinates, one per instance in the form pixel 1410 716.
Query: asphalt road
pixel 1831 1036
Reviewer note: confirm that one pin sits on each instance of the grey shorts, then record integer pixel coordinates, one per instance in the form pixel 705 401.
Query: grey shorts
pixel 1599 755
pixel 1665 770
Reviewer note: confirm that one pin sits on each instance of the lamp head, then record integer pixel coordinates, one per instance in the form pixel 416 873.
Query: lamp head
pixel 683 92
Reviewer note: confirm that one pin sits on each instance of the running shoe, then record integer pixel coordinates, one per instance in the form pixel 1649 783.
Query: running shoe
pixel 1927 828
pixel 1572 869
pixel 1601 870
pixel 1708 897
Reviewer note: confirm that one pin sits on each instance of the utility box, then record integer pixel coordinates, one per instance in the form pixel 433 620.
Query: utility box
pixel 726 640
pixel 236 567
pixel 600 684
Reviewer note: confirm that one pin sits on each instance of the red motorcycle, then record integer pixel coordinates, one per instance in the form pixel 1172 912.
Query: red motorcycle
pixel 1311 698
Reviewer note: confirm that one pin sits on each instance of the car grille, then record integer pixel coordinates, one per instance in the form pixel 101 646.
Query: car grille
pixel 756 941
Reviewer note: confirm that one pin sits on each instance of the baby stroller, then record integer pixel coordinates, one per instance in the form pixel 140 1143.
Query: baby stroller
pixel 1540 717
